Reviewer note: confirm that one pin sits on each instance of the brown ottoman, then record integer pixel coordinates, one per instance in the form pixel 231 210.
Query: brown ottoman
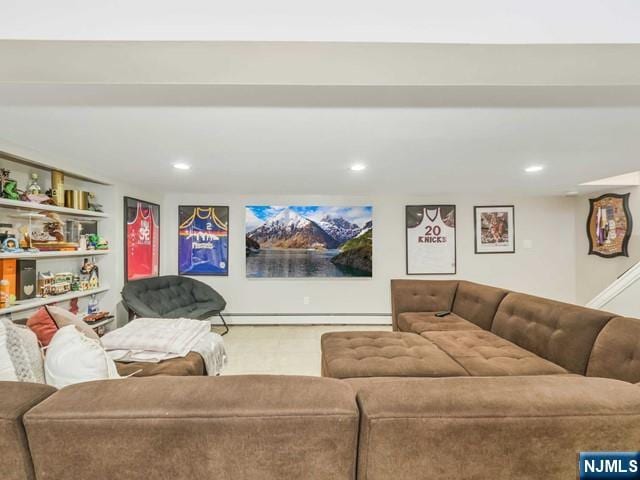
pixel 384 354
pixel 191 364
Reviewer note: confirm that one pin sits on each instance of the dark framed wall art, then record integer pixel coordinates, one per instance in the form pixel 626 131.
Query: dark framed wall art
pixel 494 229
pixel 141 239
pixel 609 225
pixel 203 240
pixel 430 239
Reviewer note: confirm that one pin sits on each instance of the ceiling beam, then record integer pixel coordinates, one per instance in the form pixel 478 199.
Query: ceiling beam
pixel 316 64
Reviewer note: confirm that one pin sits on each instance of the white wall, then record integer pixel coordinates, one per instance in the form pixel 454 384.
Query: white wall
pixel 594 273
pixel 547 269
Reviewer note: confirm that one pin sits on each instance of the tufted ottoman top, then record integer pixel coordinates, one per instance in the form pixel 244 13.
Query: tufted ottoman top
pixel 384 354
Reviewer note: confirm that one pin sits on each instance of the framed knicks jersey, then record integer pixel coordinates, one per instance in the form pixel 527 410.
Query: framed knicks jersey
pixel 203 240
pixel 431 239
pixel 142 239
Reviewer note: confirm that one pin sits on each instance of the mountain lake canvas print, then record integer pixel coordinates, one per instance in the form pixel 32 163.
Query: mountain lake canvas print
pixel 308 241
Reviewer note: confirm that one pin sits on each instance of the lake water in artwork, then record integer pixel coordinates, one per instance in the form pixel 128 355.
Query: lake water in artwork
pixel 297 263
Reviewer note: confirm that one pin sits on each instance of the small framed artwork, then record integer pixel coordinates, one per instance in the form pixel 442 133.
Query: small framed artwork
pixel 203 240
pixel 494 229
pixel 609 225
pixel 431 239
pixel 141 239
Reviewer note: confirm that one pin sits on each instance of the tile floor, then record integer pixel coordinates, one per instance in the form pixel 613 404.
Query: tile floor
pixel 284 350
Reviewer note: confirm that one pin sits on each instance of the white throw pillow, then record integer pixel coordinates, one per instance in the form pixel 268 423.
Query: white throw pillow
pixel 74 358
pixel 25 353
pixel 7 370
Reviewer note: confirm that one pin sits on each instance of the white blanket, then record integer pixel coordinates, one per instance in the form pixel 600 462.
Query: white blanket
pixel 162 335
pixel 156 339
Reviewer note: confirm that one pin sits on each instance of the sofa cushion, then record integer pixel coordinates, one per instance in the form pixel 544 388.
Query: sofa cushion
pixel 418 322
pixel 477 303
pixel 184 428
pixel 192 364
pixel 560 332
pixel 498 428
pixel 16 398
pixel 616 353
pixel 384 354
pixel 420 296
pixel 483 353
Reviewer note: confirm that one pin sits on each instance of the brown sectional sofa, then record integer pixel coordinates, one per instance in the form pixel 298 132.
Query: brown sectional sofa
pixel 489 332
pixel 518 392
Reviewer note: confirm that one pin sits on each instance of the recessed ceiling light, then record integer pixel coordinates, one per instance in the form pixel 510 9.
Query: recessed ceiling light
pixel 181 166
pixel 572 193
pixel 358 167
pixel 534 169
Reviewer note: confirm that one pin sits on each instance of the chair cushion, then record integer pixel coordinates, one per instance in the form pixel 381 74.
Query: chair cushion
pixel 482 353
pixel 560 332
pixel 191 365
pixel 166 295
pixel 616 353
pixel 477 303
pixel 384 354
pixel 418 322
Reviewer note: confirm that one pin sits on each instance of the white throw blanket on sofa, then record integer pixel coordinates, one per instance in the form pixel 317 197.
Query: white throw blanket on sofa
pixel 156 339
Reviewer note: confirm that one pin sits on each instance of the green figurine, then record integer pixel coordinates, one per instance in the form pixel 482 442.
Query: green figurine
pixel 9 186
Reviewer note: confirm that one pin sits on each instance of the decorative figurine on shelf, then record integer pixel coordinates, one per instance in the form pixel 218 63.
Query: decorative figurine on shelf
pixel 45 280
pixel 11 245
pixel 33 188
pixel 90 274
pixel 93 205
pixel 75 283
pixel 96 242
pixel 54 227
pixel 8 185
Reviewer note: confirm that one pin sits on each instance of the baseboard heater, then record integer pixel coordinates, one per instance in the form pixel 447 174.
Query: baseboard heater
pixel 308 318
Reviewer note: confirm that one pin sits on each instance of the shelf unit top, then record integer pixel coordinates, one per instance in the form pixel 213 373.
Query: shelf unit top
pixel 61 254
pixel 39 302
pixel 20 205
pixel 12 157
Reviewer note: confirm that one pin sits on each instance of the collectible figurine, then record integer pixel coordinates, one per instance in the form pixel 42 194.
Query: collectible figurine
pixel 33 188
pixel 93 205
pixel 8 185
pixel 55 227
pixel 96 242
pixel 11 245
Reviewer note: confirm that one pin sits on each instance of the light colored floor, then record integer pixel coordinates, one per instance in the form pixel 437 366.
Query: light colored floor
pixel 284 350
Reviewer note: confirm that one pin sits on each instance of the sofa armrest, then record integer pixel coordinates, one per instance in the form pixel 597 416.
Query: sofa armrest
pixel 497 428
pixel 16 398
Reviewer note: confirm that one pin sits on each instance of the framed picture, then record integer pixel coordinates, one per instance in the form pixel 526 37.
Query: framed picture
pixel 203 240
pixel 141 239
pixel 431 239
pixel 308 241
pixel 494 229
pixel 609 225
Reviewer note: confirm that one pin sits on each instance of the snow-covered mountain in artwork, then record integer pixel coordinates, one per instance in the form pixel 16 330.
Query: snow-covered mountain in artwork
pixel 290 229
pixel 308 241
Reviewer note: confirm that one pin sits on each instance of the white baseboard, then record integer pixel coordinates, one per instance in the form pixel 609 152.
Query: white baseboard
pixel 305 319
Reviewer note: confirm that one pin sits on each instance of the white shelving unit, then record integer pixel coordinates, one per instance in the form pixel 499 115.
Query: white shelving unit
pixel 63 254
pixel 39 302
pixel 20 205
pixel 21 168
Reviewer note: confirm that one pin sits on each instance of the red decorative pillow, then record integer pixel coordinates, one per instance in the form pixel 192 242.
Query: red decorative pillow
pixel 42 324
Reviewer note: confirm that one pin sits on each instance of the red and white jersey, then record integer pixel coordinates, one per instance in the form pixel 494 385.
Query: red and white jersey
pixel 431 245
pixel 143 249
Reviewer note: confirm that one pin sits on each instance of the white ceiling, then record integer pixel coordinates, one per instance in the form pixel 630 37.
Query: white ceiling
pixel 302 140
pixel 420 21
